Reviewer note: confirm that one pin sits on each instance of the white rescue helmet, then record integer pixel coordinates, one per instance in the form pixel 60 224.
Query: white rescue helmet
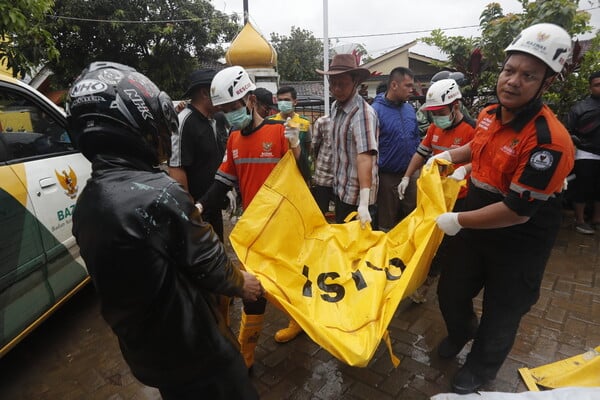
pixel 547 42
pixel 441 94
pixel 229 85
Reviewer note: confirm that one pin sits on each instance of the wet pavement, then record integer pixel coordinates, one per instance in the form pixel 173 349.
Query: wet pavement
pixel 74 355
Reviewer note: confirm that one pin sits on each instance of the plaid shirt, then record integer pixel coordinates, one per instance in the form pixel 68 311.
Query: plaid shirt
pixel 355 130
pixel 321 144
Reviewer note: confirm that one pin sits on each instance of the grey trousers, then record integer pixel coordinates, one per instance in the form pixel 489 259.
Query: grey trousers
pixel 390 208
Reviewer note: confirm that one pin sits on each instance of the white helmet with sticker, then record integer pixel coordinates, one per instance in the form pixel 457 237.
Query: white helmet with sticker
pixel 229 85
pixel 442 93
pixel 548 42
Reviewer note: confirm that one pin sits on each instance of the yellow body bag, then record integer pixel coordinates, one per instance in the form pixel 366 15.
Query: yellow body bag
pixel 582 370
pixel 341 283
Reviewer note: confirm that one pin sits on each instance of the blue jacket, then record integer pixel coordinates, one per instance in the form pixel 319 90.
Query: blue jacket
pixel 398 134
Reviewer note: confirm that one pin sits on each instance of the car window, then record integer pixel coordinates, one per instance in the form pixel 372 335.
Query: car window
pixel 26 130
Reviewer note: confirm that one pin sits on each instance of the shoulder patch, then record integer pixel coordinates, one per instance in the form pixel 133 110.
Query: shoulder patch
pixel 541 167
pixel 541 160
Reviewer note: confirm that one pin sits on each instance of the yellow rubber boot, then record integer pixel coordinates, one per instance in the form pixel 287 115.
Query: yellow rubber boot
pixel 286 334
pixel 250 328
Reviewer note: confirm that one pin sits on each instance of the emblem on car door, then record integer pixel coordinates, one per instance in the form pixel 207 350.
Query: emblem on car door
pixel 68 181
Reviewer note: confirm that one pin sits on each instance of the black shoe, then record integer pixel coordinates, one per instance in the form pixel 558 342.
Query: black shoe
pixel 449 349
pixel 466 381
pixel 585 228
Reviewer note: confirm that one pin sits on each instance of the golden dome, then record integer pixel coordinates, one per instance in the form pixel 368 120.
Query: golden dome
pixel 250 49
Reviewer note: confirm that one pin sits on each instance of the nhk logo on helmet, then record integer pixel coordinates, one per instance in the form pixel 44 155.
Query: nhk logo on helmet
pixel 138 101
pixel 87 87
pixel 68 181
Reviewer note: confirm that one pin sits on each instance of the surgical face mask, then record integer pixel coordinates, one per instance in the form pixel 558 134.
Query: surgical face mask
pixel 238 119
pixel 443 121
pixel 285 106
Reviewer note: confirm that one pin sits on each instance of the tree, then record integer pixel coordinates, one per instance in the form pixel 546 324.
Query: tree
pixel 24 43
pixel 298 55
pixel 184 35
pixel 486 54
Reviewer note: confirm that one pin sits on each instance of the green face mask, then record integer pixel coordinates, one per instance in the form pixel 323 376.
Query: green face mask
pixel 239 119
pixel 285 106
pixel 443 121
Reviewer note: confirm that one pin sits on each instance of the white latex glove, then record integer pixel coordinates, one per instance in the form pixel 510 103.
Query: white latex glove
pixel 199 207
pixel 232 196
pixel 448 222
pixel 363 207
pixel 402 186
pixel 292 134
pixel 444 155
pixel 565 185
pixel 459 174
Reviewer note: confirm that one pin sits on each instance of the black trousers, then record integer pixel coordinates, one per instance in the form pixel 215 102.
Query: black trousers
pixel 441 255
pixel 508 265
pixel 390 209
pixel 215 218
pixel 586 186
pixel 323 195
pixel 343 209
pixel 226 382
pixel 257 307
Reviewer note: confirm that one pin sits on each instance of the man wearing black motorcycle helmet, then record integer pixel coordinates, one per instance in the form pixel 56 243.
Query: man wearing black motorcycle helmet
pixel 155 264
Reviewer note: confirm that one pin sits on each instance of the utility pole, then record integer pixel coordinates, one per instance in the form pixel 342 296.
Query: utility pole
pixel 325 56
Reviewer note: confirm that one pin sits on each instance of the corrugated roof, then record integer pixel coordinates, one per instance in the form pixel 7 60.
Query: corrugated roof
pixel 306 88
